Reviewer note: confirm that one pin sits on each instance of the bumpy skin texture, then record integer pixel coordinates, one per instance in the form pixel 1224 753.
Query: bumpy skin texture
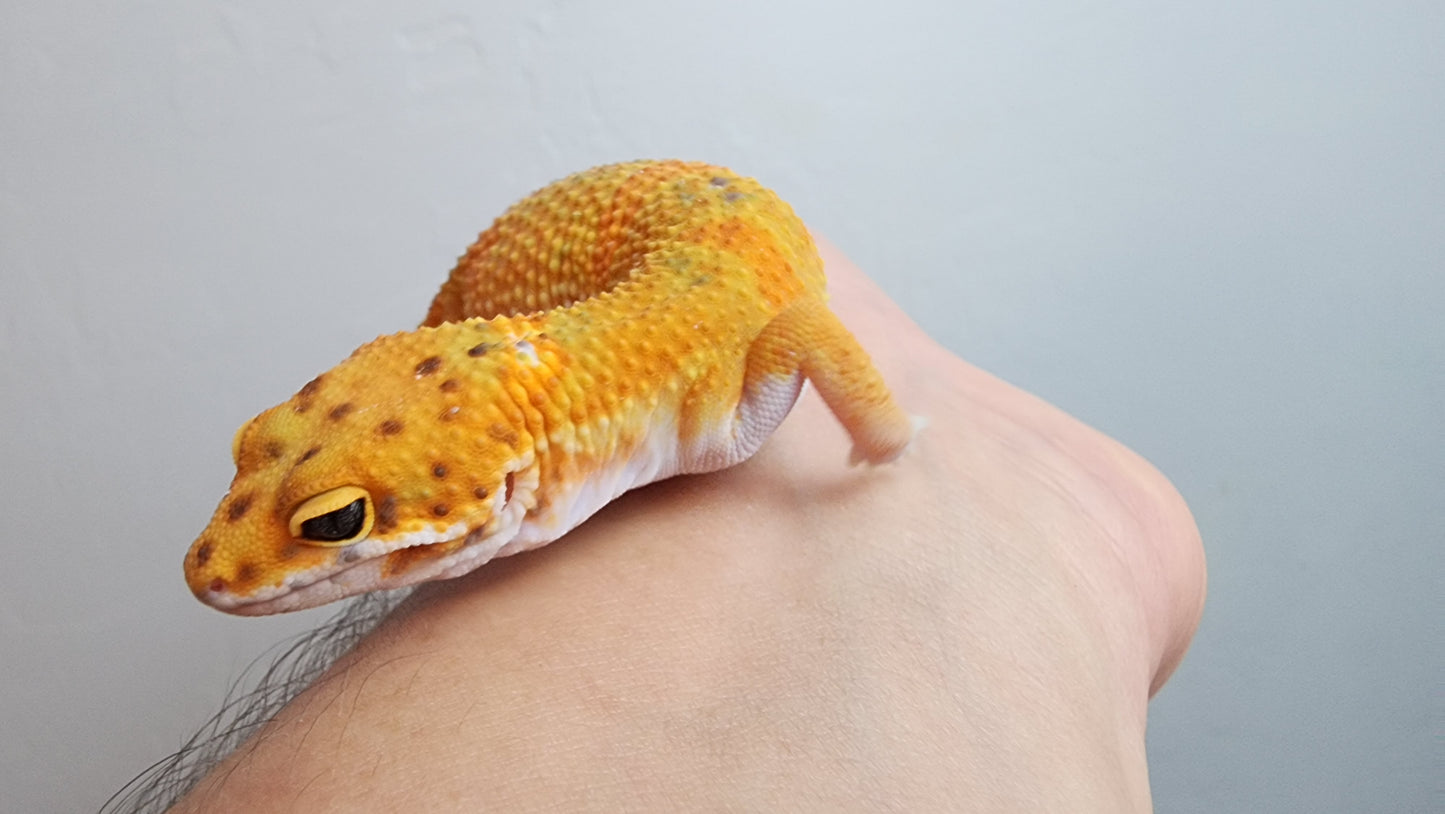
pixel 620 326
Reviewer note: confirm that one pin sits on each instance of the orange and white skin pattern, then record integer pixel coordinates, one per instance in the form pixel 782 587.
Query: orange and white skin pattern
pixel 626 324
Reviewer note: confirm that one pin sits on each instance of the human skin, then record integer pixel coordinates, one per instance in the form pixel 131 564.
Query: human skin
pixel 977 627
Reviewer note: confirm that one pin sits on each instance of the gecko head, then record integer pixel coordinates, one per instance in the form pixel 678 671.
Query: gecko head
pixel 395 467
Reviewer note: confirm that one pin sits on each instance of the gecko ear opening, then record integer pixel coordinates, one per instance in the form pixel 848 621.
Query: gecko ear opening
pixel 337 517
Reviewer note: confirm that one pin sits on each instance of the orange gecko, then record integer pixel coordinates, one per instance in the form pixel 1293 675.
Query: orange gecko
pixel 626 324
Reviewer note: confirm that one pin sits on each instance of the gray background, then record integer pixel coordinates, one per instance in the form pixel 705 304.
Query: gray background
pixel 1212 230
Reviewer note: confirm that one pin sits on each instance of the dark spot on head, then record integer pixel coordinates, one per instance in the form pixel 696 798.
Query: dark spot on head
pixel 386 513
pixel 390 427
pixel 428 366
pixel 307 393
pixel 203 553
pixel 731 196
pixel 479 350
pixel 275 450
pixel 480 492
pixel 439 470
pixel 350 554
pixel 217 585
pixel 239 506
pixel 308 455
pixel 440 510
pixel 450 386
pixel 289 550
pixel 341 411
pixel 719 181
pixel 246 573
pixel 507 485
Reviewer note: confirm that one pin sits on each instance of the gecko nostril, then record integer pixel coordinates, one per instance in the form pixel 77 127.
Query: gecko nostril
pixel 217 585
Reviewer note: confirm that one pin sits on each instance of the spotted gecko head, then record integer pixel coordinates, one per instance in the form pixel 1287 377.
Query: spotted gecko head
pixel 397 466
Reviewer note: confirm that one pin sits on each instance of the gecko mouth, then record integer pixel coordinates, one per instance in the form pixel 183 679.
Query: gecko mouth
pixel 362 576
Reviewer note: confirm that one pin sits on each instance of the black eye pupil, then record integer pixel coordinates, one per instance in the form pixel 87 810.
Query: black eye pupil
pixel 341 524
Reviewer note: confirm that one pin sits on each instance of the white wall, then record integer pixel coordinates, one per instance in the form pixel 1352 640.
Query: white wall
pixel 1214 230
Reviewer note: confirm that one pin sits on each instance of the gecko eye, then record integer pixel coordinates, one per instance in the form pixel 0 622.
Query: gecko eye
pixel 335 518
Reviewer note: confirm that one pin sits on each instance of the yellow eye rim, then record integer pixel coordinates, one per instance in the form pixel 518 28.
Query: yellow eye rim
pixel 328 519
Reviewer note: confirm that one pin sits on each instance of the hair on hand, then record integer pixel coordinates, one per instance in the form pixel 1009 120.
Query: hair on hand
pixel 290 667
